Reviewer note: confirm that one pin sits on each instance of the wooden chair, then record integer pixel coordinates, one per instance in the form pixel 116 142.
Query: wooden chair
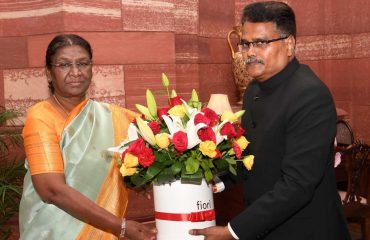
pixel 357 198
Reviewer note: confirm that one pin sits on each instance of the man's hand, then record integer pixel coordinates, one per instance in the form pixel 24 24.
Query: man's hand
pixel 139 231
pixel 213 233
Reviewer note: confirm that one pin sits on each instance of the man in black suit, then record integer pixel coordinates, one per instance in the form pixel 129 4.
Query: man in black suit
pixel 290 121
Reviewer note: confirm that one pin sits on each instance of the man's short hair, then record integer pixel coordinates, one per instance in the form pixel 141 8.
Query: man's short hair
pixel 277 12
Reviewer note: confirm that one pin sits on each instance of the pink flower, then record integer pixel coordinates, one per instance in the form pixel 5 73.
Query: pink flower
pixel 155 126
pixel 180 141
pixel 146 158
pixel 218 154
pixel 200 118
pixel 136 147
pixel 211 115
pixel 175 101
pixel 237 150
pixel 239 130
pixel 228 130
pixel 162 111
pixel 207 134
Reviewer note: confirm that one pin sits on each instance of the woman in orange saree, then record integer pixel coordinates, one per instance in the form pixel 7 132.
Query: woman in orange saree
pixel 73 188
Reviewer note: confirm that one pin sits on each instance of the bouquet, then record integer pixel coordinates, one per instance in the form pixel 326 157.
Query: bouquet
pixel 184 141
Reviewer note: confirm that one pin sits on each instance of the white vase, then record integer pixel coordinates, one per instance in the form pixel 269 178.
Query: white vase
pixel 181 207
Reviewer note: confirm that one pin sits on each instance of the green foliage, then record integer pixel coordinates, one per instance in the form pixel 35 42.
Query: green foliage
pixel 11 170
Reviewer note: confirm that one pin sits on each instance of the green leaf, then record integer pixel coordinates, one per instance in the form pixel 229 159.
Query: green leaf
pixel 221 164
pixel 163 156
pixel 208 175
pixel 176 168
pixel 224 146
pixel 137 180
pixel 231 161
pixel 154 170
pixel 195 178
pixel 191 165
pixel 165 176
pixel 232 169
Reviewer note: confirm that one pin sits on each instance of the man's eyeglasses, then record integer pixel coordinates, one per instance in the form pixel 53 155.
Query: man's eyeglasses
pixel 67 66
pixel 244 46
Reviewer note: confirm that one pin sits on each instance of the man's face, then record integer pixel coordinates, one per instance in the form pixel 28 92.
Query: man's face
pixel 265 60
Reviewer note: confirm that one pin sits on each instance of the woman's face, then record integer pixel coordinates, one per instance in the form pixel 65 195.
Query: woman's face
pixel 71 71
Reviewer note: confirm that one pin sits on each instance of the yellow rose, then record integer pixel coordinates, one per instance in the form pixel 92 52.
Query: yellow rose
pixel 127 171
pixel 248 162
pixel 177 110
pixel 242 142
pixel 227 115
pixel 208 148
pixel 130 160
pixel 162 140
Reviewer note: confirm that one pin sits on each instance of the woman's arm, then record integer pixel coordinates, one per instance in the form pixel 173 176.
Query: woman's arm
pixel 53 189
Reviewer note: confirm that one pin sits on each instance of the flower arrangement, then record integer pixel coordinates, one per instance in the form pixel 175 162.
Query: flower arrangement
pixel 183 141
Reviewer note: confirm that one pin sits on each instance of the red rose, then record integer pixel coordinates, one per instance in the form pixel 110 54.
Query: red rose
pixel 237 150
pixel 239 130
pixel 207 134
pixel 228 130
pixel 200 118
pixel 162 111
pixel 136 147
pixel 218 154
pixel 155 126
pixel 146 158
pixel 180 141
pixel 175 101
pixel 211 115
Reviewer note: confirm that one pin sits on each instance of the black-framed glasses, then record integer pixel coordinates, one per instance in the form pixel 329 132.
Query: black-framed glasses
pixel 244 46
pixel 67 66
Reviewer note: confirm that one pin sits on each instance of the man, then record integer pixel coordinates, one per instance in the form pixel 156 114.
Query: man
pixel 290 121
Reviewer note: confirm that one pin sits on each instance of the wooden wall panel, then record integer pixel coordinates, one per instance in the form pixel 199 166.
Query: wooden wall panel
pixel 148 15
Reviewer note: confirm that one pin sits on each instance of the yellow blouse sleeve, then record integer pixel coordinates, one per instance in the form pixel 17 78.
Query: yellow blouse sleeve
pixel 41 141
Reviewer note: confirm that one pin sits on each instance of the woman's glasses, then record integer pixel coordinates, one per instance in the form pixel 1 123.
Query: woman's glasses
pixel 67 66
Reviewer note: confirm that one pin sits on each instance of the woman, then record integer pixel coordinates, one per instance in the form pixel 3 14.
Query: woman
pixel 73 188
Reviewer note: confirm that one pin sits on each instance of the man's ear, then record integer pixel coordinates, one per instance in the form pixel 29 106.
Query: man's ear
pixel 290 41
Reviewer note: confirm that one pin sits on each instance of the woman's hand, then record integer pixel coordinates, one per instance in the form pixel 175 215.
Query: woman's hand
pixel 139 231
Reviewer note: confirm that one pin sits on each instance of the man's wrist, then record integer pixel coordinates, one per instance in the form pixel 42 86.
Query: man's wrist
pixel 232 231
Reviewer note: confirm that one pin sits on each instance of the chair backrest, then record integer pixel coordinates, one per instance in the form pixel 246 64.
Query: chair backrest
pixel 357 166
pixel 344 134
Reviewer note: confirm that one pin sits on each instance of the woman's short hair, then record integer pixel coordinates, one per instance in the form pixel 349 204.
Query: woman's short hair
pixel 64 40
pixel 277 12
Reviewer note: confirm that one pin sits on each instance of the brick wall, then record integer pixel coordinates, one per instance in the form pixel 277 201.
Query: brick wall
pixel 135 41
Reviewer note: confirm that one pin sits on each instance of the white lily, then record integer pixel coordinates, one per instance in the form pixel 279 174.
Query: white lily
pixel 192 131
pixel 174 125
pixel 131 136
pixel 217 129
pixel 190 112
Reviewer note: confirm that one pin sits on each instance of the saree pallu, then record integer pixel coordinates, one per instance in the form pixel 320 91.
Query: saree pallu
pixel 88 168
